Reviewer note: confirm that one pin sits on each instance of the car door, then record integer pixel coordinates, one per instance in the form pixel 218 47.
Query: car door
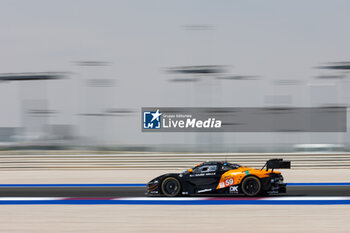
pixel 204 176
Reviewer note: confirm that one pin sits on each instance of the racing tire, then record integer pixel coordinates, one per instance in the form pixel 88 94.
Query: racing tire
pixel 251 186
pixel 171 187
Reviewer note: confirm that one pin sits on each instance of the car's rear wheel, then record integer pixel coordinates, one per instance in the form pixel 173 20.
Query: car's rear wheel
pixel 171 187
pixel 251 186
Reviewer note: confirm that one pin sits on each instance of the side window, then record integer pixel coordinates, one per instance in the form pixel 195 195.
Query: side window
pixel 212 168
pixel 205 169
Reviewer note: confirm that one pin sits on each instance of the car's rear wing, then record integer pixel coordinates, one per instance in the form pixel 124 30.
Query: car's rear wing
pixel 276 164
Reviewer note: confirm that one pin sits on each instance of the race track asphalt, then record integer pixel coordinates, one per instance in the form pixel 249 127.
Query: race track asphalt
pixel 140 191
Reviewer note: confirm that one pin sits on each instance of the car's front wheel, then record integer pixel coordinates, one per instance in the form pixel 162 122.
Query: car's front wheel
pixel 251 186
pixel 171 187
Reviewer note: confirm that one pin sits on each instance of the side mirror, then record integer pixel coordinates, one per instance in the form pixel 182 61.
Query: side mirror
pixel 190 170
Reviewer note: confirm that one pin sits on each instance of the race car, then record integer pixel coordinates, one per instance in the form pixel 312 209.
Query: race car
pixel 214 177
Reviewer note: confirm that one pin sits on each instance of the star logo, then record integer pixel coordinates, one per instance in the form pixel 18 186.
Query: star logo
pixel 156 115
pixel 151 120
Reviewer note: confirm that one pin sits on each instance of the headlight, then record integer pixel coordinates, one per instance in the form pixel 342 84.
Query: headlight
pixel 153 182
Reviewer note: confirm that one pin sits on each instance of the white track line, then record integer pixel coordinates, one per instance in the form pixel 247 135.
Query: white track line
pixel 317 198
pixel 304 198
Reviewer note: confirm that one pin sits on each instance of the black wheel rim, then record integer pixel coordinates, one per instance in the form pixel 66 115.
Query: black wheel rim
pixel 171 187
pixel 251 186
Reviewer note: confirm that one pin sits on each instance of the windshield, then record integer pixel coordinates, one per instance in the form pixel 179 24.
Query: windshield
pixel 230 166
pixel 202 168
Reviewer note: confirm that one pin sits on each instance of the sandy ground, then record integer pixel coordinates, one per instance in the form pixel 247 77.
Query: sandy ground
pixel 114 218
pixel 143 176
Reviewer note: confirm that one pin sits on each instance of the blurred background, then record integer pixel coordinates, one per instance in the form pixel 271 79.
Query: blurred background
pixel 75 74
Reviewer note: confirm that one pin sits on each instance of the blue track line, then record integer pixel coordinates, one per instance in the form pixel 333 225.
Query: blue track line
pixel 143 185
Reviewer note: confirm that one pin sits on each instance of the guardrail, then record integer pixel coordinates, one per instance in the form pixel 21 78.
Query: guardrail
pixel 164 160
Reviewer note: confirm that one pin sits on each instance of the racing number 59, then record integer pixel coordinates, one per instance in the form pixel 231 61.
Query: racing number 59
pixel 229 182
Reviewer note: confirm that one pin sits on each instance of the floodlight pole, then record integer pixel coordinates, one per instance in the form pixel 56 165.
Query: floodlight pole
pixel 340 66
pixel 31 77
pixel 92 83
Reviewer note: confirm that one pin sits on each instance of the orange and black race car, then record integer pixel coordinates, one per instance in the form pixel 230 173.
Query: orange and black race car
pixel 221 178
